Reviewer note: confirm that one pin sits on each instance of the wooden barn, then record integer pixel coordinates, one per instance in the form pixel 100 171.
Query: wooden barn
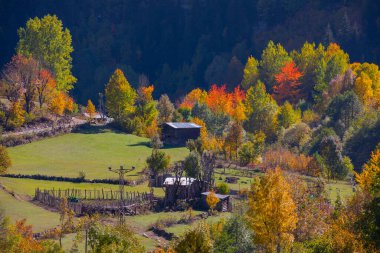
pixel 181 188
pixel 177 133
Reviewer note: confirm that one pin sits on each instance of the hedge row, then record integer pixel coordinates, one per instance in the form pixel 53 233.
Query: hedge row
pixel 76 179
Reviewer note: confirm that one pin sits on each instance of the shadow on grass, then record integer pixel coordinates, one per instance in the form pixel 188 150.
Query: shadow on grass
pixel 91 129
pixel 141 143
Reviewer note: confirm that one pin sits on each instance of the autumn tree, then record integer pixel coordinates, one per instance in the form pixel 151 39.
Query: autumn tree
pixel 234 134
pixel 106 238
pixel 369 178
pixel 19 238
pixel 288 84
pixel 363 89
pixel 45 87
pixel 90 109
pixel 212 200
pixel 145 116
pixel 251 73
pixel 165 109
pixel 50 44
pixel 196 240
pixel 5 160
pixel 273 59
pixel 219 100
pixel 337 61
pixel 272 212
pixel 261 111
pixel 195 96
pixel 203 133
pixel 60 103
pixel 16 115
pixel 66 220
pixel 21 74
pixel 120 97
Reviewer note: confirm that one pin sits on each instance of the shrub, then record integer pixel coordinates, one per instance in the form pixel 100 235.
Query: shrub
pixel 223 188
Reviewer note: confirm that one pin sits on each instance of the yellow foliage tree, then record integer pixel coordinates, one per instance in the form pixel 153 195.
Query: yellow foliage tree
pixel 193 97
pixel 16 115
pixel 369 179
pixel 90 109
pixel 363 88
pixel 272 212
pixel 204 133
pixel 212 200
pixel 61 102
pixel 197 240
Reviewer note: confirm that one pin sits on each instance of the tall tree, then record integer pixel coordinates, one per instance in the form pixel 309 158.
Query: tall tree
pixel 251 73
pixel 47 41
pixel 234 139
pixel 146 112
pixel 165 109
pixel 120 97
pixel 21 75
pixel 273 58
pixel 261 111
pixel 288 84
pixel 272 212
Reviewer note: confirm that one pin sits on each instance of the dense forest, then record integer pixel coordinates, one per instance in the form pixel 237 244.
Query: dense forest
pixel 181 44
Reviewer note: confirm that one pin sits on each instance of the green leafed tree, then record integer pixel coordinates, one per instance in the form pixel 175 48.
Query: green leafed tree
pixel 158 162
pixel 273 58
pixel 251 73
pixel 120 97
pixel 288 116
pixel 50 43
pixel 261 110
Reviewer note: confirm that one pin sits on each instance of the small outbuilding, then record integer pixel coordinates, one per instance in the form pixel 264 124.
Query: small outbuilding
pixel 178 133
pixel 181 188
pixel 224 204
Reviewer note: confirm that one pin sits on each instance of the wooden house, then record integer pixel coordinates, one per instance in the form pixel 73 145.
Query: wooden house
pixel 178 133
pixel 181 188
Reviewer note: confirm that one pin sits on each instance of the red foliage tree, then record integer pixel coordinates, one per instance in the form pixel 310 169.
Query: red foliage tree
pixel 288 84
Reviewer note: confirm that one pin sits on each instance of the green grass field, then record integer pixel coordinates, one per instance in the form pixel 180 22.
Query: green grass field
pixel 36 216
pixel 91 150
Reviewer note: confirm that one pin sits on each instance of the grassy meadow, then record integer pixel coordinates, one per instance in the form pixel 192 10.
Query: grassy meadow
pixel 91 150
pixel 36 216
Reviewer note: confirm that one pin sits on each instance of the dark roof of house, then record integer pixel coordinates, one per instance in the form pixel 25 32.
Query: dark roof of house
pixel 219 196
pixel 182 125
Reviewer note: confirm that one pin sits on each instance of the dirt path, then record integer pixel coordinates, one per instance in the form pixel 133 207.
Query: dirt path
pixel 74 122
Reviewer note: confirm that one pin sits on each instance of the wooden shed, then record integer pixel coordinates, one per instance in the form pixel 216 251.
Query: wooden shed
pixel 178 133
pixel 224 204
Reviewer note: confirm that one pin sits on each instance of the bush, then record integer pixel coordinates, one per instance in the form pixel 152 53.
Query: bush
pixel 223 188
pixel 162 223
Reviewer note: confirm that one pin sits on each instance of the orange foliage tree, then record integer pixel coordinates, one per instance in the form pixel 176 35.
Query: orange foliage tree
pixel 288 84
pixel 219 100
pixel 287 160
pixel 20 238
pixel 193 97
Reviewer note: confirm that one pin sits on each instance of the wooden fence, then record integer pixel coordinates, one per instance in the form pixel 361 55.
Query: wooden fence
pixel 96 201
